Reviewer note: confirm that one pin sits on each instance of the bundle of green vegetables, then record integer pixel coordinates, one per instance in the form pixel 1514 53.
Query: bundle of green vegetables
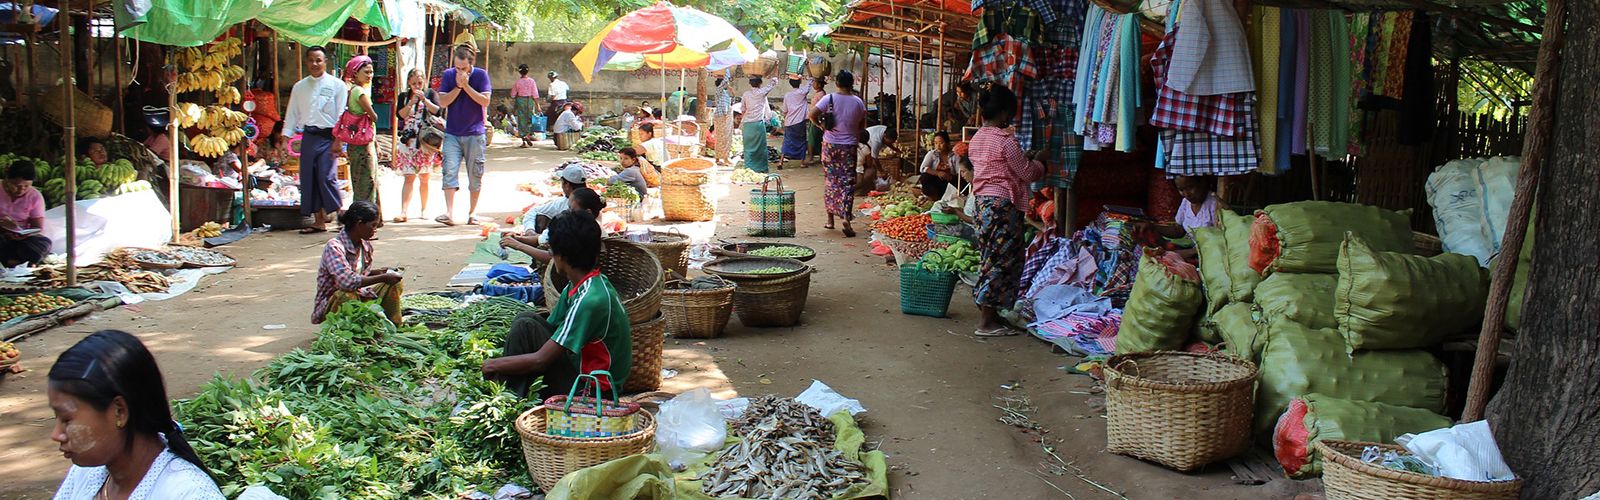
pixel 621 191
pixel 600 142
pixel 369 411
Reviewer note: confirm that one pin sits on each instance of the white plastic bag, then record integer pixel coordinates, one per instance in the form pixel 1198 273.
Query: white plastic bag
pixel 826 401
pixel 689 426
pixel 1467 452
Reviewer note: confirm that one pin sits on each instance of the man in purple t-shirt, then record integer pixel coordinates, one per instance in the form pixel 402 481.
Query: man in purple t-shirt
pixel 464 92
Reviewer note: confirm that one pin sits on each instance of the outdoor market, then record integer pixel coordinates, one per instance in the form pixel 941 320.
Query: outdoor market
pixel 830 249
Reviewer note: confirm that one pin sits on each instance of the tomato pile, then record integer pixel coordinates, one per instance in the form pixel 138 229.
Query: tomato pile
pixel 912 228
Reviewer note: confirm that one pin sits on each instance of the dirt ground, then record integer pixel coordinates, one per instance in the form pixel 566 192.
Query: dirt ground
pixel 928 384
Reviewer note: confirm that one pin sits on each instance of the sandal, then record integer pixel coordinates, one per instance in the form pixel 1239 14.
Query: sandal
pixel 997 332
pixel 849 233
pixel 401 219
pixel 444 219
pixel 313 230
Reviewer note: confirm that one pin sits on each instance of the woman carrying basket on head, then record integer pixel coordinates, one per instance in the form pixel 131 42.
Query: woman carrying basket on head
pixel 842 116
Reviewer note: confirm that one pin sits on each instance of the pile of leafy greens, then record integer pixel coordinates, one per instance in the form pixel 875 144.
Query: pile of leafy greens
pixel 371 410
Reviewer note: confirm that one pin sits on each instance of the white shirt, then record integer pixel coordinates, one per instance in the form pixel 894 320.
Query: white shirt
pixel 168 477
pixel 755 102
pixel 558 90
pixel 315 102
pixel 567 122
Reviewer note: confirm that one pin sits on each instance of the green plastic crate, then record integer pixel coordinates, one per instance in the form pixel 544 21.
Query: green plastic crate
pixel 924 292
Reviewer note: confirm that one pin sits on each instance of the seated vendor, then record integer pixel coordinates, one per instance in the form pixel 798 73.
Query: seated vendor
pixel 568 121
pixel 21 211
pixel 1200 208
pixel 633 172
pixel 582 200
pixel 587 330
pixel 95 150
pixel 346 271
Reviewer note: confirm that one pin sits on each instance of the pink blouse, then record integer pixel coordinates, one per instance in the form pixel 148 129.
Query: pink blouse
pixel 998 166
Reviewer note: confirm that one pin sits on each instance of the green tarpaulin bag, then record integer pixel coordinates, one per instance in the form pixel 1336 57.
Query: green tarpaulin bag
pixel 1241 336
pixel 1160 311
pixel 1316 417
pixel 1299 361
pixel 1212 245
pixel 1309 234
pixel 1306 299
pixel 1242 279
pixel 1392 300
pixel 1519 280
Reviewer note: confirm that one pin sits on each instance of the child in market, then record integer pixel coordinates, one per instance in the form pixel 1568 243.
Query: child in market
pixel 1200 208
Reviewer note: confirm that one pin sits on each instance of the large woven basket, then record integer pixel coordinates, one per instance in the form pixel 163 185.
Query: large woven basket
pixel 774 302
pixel 687 203
pixel 697 314
pixel 633 271
pixel 1346 477
pixel 672 249
pixel 644 373
pixel 1179 409
pixel 549 458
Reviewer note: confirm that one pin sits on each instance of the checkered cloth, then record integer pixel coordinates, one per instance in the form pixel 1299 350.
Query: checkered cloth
pixel 1049 128
pixel 1067 29
pixel 1018 21
pixel 1202 153
pixel 1046 9
pixel 1223 115
pixel 1044 246
pixel 1005 60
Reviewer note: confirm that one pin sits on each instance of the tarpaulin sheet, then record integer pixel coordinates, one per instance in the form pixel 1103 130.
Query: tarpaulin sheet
pixel 190 23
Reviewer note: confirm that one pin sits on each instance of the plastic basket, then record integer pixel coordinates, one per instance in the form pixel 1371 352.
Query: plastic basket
pixel 924 292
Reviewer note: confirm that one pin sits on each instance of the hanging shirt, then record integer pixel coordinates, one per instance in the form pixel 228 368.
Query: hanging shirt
pixel 464 117
pixel 525 87
pixel 590 322
pixel 558 90
pixel 796 104
pixel 755 102
pixel 1210 55
pixel 168 477
pixel 999 167
pixel 315 102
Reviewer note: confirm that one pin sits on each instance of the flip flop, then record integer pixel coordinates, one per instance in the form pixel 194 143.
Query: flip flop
pixel 849 233
pixel 444 219
pixel 401 220
pixel 313 230
pixel 997 332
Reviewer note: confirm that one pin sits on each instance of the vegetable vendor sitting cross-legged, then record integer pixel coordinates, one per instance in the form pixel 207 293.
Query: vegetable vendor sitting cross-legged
pixel 588 329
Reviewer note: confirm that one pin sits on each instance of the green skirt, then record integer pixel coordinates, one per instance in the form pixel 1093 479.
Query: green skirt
pixel 755 146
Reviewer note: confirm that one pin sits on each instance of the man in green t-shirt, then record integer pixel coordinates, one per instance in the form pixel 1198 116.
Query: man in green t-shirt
pixel 588 328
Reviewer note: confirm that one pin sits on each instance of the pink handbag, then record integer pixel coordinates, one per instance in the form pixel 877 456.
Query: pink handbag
pixel 354 129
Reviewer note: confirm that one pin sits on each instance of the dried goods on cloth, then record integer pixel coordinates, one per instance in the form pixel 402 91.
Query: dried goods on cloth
pixel 1305 236
pixel 1316 417
pixel 832 445
pixel 1298 360
pixel 1471 200
pixel 1161 310
pixel 1306 299
pixel 1238 330
pixel 1392 300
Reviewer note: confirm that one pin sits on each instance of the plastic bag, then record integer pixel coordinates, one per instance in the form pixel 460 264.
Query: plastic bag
pixel 1316 417
pixel 1299 361
pixel 1393 300
pixel 1467 452
pixel 828 402
pixel 1458 208
pixel 689 426
pixel 1160 311
pixel 1306 299
pixel 1308 235
pixel 1212 246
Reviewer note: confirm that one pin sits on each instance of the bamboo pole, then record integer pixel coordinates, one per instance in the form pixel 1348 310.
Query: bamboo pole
pixel 243 147
pixel 33 70
pixel 173 132
pixel 1536 146
pixel 938 122
pixel 69 138
pixel 116 76
pixel 899 90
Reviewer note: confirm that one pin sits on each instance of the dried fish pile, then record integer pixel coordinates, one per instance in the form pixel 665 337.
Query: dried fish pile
pixel 786 452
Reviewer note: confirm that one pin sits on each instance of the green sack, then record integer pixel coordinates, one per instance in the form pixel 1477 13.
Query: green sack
pixel 1310 232
pixel 1299 361
pixel 1392 300
pixel 1212 246
pixel 1316 417
pixel 1519 280
pixel 1241 278
pixel 1241 336
pixel 1303 298
pixel 1160 310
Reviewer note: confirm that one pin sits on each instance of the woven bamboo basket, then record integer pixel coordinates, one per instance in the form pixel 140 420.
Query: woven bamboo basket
pixel 774 302
pixel 1179 409
pixel 633 271
pixel 697 314
pixel 676 150
pixel 687 203
pixel 672 249
pixel 1346 477
pixel 644 373
pixel 549 458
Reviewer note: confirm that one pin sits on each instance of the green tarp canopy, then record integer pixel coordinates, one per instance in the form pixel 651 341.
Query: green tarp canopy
pixel 190 23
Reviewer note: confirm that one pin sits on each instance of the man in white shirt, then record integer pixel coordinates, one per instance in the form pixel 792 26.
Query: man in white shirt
pixel 314 108
pixel 754 123
pixel 796 106
pixel 558 97
pixel 568 121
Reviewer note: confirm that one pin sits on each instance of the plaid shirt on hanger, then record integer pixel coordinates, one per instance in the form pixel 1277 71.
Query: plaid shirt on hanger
pixel 1005 60
pixel 1021 23
pixel 1224 115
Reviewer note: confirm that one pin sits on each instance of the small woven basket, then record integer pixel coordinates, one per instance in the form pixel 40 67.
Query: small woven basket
pixel 1179 409
pixel 1346 477
pixel 924 292
pixel 644 374
pixel 697 314
pixel 672 249
pixel 549 458
pixel 773 302
pixel 687 203
pixel 632 270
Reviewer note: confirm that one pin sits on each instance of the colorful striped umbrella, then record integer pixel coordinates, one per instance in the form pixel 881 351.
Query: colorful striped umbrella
pixel 665 36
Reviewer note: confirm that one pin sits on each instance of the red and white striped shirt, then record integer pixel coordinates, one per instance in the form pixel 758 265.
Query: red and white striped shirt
pixel 998 166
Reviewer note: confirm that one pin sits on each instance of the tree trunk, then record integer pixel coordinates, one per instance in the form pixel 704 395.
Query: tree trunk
pixel 1544 416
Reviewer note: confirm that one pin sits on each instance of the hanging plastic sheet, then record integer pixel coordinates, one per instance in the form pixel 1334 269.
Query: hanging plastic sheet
pixel 190 23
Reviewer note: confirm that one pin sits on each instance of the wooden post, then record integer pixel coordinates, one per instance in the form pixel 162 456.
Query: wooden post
pixel 116 76
pixel 33 70
pixel 1536 146
pixel 244 146
pixel 173 132
pixel 899 92
pixel 938 121
pixel 69 139
pixel 277 85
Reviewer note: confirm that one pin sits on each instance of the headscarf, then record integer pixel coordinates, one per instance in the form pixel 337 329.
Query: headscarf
pixel 355 64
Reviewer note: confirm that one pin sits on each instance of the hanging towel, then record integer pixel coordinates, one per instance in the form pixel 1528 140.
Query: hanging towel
pixel 1267 52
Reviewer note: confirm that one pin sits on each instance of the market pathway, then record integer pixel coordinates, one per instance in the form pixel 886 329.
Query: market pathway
pixel 928 384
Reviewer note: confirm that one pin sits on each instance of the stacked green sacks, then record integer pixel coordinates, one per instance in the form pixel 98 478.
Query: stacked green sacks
pixel 1309 234
pixel 1242 279
pixel 1316 417
pixel 1299 360
pixel 1160 311
pixel 1212 247
pixel 1304 298
pixel 1240 333
pixel 1394 300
